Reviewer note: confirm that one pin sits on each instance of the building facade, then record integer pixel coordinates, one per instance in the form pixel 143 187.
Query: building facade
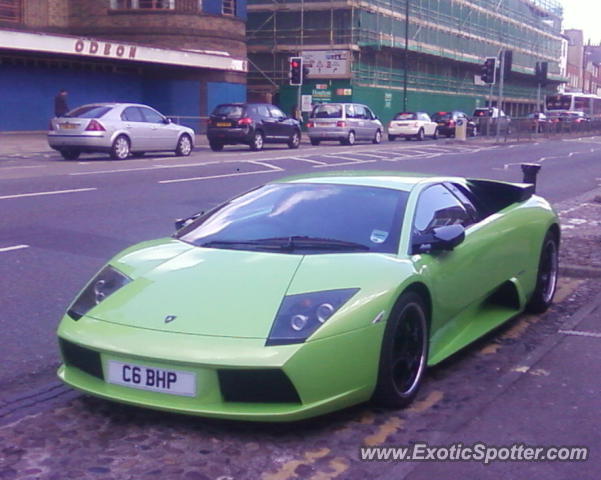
pixel 385 53
pixel 180 56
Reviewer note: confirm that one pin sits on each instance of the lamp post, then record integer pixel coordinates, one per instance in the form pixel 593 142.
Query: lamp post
pixel 585 56
pixel 406 57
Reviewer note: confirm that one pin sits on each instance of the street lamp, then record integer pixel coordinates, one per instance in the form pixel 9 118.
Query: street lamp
pixel 585 56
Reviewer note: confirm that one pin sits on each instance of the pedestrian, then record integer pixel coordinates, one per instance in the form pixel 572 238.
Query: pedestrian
pixel 60 103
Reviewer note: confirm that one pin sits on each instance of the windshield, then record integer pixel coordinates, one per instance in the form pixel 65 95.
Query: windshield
pixel 88 111
pixel 327 110
pixel 230 111
pixel 405 116
pixel 304 218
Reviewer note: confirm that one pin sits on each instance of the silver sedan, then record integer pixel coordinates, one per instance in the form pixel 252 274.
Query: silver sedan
pixel 119 129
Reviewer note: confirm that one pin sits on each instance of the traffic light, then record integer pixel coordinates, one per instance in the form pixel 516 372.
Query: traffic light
pixel 296 71
pixel 541 71
pixel 488 70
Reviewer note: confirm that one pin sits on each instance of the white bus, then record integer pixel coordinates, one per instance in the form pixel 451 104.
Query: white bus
pixel 575 102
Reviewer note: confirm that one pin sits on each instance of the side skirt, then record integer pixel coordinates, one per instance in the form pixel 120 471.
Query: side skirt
pixel 502 304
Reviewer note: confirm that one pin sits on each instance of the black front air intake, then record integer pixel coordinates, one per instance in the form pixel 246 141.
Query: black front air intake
pixel 257 386
pixel 86 360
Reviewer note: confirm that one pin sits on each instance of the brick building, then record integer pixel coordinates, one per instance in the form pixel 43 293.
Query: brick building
pixel 180 56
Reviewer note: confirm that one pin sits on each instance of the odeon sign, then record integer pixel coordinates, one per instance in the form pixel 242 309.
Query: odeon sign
pixel 106 49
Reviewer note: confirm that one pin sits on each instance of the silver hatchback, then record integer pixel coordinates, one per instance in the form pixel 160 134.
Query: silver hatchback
pixel 119 129
pixel 345 122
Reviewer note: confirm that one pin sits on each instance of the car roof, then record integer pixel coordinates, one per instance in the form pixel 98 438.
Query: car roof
pixel 113 104
pixel 405 181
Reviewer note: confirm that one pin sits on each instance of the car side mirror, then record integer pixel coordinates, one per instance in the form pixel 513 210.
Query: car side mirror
pixel 166 121
pixel 184 222
pixel 440 239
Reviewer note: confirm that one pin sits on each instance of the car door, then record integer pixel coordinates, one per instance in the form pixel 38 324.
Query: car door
pixel 429 126
pixel 459 278
pixel 134 124
pixel 372 122
pixel 163 135
pixel 281 129
pixel 362 124
pixel 265 121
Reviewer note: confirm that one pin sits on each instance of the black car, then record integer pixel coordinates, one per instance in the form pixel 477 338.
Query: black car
pixel 447 121
pixel 252 124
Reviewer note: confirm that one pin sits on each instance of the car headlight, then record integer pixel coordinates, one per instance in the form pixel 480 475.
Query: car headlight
pixel 301 315
pixel 107 282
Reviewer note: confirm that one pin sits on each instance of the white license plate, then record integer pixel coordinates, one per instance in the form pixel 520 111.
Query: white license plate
pixel 174 382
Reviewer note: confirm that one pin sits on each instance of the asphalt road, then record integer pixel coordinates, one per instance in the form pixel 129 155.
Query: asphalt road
pixel 60 220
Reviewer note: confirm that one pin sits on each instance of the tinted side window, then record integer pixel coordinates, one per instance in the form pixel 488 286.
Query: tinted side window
pixel 463 196
pixel 350 111
pixel 262 111
pixel 369 114
pixel 438 207
pixel 360 112
pixel 132 114
pixel 275 111
pixel 151 116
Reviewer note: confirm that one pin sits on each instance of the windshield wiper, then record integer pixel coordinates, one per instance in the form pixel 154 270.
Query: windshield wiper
pixel 315 243
pixel 288 244
pixel 242 243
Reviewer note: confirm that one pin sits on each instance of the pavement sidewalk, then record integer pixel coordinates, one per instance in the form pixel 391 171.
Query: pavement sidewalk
pixel 550 399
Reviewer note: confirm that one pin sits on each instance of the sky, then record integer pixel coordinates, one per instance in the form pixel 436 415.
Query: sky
pixel 584 15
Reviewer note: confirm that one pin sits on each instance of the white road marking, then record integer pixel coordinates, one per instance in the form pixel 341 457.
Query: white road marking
pixel 225 175
pixel 344 163
pixel 315 162
pixel 342 157
pixel 265 163
pixel 55 192
pixel 580 333
pixel 15 247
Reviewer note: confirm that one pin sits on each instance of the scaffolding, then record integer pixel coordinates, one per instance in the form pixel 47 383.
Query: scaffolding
pixel 446 40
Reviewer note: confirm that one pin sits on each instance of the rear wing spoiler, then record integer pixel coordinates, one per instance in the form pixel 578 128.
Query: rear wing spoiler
pixel 508 192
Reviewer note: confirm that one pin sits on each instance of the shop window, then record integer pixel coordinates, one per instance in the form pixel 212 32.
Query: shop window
pixel 142 4
pixel 229 7
pixel 10 10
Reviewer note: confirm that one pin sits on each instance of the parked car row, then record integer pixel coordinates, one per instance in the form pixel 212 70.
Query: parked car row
pixel 124 129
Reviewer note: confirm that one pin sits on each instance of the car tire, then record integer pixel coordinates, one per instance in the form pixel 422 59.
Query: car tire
pixel 216 146
pixel 404 352
pixel 349 140
pixel 257 141
pixel 70 154
pixel 315 141
pixel 377 137
pixel 120 148
pixel 546 278
pixel 420 135
pixel 391 138
pixel 294 140
pixel 435 136
pixel 184 146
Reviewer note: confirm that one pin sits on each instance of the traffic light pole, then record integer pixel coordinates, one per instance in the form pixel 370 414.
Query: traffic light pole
pixel 500 100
